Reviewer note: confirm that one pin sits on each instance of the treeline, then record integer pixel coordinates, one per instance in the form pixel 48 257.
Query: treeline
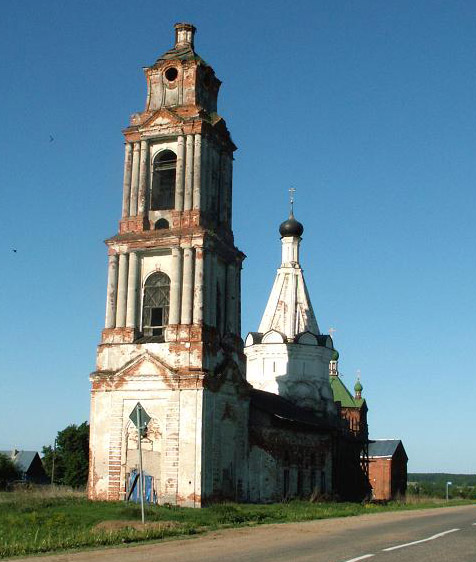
pixel 67 462
pixel 434 484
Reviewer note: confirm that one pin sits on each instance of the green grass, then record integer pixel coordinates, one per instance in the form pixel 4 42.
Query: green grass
pixel 38 522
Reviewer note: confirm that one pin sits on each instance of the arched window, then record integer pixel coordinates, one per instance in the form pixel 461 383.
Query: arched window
pixel 161 224
pixel 155 312
pixel 163 181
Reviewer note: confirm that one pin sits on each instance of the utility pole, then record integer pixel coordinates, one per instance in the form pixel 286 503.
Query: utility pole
pixel 53 464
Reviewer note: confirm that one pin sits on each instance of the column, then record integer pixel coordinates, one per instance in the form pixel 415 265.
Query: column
pixel 213 290
pixel 222 187
pixel 175 286
pixel 180 173
pixel 187 203
pixel 122 291
pixel 135 180
pixel 229 189
pixel 132 290
pixel 238 298
pixel 230 298
pixel 203 174
pixel 212 172
pixel 111 292
pixel 206 286
pixel 197 171
pixel 198 286
pixel 126 197
pixel 144 153
pixel 187 293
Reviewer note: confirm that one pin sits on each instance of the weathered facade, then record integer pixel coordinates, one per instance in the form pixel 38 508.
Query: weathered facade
pixel 293 421
pixel 172 338
pixel 172 334
pixel 351 464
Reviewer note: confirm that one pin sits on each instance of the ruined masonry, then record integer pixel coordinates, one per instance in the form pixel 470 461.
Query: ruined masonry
pixel 172 333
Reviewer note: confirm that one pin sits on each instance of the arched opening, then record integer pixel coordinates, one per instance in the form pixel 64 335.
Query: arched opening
pixel 161 224
pixel 155 311
pixel 163 181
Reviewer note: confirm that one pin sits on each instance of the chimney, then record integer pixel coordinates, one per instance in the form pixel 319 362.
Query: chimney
pixel 184 34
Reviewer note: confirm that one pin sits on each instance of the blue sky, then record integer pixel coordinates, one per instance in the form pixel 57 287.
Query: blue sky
pixel 367 108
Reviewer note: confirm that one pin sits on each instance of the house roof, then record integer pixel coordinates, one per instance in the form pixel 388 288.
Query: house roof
pixel 283 409
pixel 342 394
pixel 22 459
pixel 383 447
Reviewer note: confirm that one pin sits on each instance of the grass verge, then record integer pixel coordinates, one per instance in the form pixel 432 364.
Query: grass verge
pixel 37 523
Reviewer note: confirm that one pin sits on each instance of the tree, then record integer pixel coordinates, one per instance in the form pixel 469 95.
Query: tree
pixel 8 471
pixel 71 457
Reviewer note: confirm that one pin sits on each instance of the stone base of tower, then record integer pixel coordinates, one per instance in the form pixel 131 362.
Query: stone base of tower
pixel 195 448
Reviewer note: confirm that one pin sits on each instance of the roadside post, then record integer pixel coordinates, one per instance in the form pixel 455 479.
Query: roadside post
pixel 448 484
pixel 53 464
pixel 140 418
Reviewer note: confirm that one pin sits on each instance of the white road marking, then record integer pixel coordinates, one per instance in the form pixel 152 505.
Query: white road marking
pixel 360 558
pixel 420 541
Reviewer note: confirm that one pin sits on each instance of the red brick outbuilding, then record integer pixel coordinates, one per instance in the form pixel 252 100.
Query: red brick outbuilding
pixel 387 469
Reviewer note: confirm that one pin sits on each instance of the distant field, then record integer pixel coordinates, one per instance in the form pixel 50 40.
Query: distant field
pixel 43 522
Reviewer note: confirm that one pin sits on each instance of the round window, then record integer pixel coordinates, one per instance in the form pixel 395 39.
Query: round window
pixel 171 74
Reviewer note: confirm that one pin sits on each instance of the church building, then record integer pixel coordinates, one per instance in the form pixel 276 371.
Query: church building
pixel 257 421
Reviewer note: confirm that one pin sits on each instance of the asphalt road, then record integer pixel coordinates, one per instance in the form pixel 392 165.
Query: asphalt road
pixel 434 535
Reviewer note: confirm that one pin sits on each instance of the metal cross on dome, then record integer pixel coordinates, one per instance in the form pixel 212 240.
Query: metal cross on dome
pixel 292 191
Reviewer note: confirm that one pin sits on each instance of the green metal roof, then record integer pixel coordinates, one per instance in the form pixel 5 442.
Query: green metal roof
pixel 342 394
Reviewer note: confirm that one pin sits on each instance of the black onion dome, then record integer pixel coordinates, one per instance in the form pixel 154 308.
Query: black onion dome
pixel 291 227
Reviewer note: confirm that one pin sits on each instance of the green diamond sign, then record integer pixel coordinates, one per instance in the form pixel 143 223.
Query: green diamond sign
pixel 140 418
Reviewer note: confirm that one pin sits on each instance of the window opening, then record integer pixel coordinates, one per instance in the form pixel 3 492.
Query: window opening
pixel 155 315
pixel 171 74
pixel 163 181
pixel 161 224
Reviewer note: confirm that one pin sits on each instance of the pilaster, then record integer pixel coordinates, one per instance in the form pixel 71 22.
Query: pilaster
pixel 122 291
pixel 127 180
pixel 134 180
pixel 111 297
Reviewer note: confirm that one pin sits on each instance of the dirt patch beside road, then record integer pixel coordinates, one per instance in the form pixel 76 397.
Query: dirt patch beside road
pixel 118 525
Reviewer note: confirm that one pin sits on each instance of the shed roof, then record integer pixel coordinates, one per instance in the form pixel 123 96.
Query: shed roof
pixel 22 459
pixel 383 447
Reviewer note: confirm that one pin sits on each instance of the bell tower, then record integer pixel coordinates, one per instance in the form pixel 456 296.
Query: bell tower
pixel 172 332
